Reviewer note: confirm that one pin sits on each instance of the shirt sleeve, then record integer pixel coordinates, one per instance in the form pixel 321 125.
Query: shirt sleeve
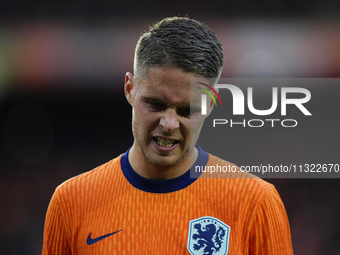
pixel 270 232
pixel 56 241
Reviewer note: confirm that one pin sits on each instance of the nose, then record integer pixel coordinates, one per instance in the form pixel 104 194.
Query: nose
pixel 169 120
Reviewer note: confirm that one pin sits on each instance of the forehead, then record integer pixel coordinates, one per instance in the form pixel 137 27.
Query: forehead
pixel 166 84
pixel 171 77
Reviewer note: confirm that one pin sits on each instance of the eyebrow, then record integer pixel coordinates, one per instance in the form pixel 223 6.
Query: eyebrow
pixel 157 100
pixel 154 99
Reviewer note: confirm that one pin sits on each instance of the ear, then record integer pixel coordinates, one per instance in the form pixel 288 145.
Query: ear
pixel 128 87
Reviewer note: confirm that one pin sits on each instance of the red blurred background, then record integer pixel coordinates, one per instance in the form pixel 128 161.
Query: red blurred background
pixel 63 111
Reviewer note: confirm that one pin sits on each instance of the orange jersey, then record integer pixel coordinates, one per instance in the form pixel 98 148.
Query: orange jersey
pixel 113 210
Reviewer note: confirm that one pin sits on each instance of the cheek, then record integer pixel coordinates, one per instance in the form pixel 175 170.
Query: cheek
pixel 139 112
pixel 142 109
pixel 144 119
pixel 196 123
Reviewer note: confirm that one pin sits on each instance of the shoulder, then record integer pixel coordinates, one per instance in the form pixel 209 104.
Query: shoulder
pixel 93 179
pixel 222 172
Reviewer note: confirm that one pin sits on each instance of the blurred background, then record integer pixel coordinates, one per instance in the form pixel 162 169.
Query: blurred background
pixel 63 110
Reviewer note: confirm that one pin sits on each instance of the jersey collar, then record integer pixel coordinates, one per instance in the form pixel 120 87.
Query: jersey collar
pixel 162 186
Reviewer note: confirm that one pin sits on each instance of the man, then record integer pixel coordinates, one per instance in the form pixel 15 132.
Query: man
pixel 144 201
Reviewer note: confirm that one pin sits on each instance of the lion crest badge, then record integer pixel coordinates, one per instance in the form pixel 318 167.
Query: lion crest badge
pixel 208 236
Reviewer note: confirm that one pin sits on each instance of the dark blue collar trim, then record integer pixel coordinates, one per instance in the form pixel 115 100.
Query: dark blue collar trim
pixel 161 186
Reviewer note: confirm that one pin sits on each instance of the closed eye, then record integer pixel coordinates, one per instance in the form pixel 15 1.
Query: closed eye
pixel 185 111
pixel 156 105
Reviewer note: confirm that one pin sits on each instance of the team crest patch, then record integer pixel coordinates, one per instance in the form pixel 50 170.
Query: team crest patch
pixel 208 236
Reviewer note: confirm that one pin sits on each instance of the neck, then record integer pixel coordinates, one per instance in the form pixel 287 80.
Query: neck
pixel 142 166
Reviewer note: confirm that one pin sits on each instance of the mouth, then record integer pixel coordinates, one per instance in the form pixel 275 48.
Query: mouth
pixel 165 142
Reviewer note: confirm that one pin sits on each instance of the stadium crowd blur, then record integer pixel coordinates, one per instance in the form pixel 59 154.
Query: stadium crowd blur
pixel 63 111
